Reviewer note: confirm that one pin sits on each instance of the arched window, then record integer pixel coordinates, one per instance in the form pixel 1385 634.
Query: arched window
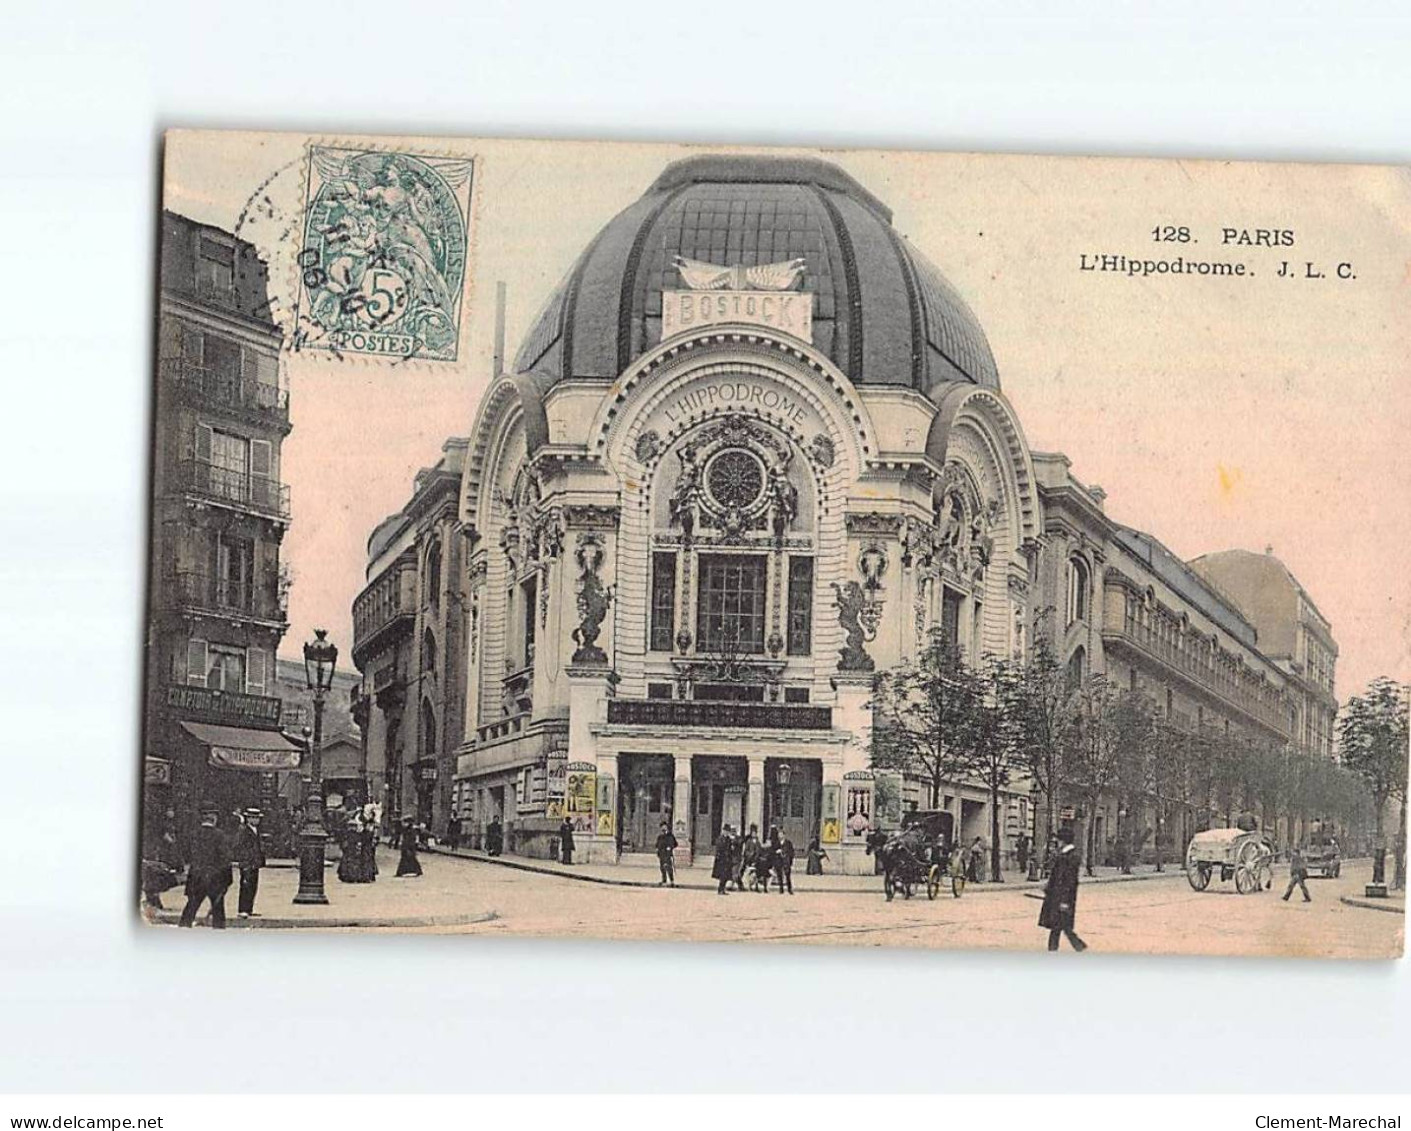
pixel 1077 664
pixel 428 651
pixel 428 730
pixel 433 573
pixel 1077 590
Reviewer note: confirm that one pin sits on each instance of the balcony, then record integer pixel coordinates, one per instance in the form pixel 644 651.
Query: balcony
pixel 383 613
pixel 1211 678
pixel 229 390
pixel 235 488
pixel 224 596
pixel 710 713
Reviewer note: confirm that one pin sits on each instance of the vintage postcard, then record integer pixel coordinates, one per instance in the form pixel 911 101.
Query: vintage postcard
pixel 712 544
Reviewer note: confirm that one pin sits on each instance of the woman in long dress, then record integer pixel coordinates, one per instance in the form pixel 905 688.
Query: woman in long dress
pixel 408 865
pixel 816 856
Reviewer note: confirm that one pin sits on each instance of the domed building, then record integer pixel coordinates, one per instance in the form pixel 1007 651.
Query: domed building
pixel 754 450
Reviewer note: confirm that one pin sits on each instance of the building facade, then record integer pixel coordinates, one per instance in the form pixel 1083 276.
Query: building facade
pixel 753 450
pixel 1120 603
pixel 409 630
pixel 218 593
pixel 1292 633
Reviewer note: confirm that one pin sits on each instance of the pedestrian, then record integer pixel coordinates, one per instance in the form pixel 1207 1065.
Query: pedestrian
pixel 495 836
pixel 1298 872
pixel 1061 895
pixel 816 856
pixel 763 866
pixel 566 844
pixel 666 855
pixel 249 853
pixel 723 870
pixel 783 862
pixel 747 857
pixel 408 864
pixel 210 874
pixel 1021 852
pixel 453 833
pixel 976 861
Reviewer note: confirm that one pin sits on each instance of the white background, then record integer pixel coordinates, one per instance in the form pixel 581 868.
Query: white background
pixel 89 1002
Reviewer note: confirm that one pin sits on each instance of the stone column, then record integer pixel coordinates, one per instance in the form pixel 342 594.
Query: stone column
pixel 853 716
pixel 681 815
pixel 754 800
pixel 589 689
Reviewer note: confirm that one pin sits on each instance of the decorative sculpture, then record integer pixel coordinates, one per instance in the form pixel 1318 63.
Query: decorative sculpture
pixel 593 600
pixel 852 605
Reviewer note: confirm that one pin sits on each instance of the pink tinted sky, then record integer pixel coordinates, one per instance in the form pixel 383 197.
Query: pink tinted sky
pixel 1216 413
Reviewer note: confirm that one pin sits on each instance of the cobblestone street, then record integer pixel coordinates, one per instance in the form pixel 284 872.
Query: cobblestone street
pixel 1152 913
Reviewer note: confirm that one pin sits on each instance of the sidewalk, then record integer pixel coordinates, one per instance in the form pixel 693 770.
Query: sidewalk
pixel 434 899
pixel 643 873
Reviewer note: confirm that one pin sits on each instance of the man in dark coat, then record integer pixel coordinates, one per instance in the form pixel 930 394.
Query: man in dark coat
pixel 1061 895
pixel 723 870
pixel 250 855
pixel 666 855
pixel 783 862
pixel 1298 872
pixel 494 837
pixel 566 844
pixel 209 875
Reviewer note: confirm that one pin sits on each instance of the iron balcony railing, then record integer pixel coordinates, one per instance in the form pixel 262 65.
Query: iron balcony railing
pixel 198 589
pixel 713 713
pixel 1200 669
pixel 226 388
pixel 384 611
pixel 227 485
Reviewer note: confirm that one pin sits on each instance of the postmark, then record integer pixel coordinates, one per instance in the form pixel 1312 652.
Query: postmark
pixel 383 257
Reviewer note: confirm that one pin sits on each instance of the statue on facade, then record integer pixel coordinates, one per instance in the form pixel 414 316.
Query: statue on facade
pixel 853 615
pixel 593 601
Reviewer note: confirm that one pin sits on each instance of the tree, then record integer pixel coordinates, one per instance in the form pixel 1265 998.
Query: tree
pixel 1041 713
pixel 923 713
pixel 994 741
pixel 1372 732
pixel 1094 749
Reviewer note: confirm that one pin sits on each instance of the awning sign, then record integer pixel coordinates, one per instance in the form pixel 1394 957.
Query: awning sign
pixel 233 758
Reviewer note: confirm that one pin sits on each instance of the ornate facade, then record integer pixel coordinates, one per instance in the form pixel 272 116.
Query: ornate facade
pixel 753 450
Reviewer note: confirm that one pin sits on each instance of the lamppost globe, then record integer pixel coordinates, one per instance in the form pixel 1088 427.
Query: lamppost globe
pixel 320 662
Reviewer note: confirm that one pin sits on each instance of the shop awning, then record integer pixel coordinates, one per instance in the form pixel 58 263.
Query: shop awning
pixel 238 748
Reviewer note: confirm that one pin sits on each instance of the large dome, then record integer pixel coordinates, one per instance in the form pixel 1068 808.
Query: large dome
pixel 883 313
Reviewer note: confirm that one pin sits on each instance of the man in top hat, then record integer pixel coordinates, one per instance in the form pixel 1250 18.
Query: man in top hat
pixel 209 874
pixel 250 855
pixel 1061 895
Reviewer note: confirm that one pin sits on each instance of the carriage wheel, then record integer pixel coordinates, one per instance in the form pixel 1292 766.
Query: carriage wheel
pixel 957 884
pixel 889 886
pixel 1199 876
pixel 1245 880
pixel 933 881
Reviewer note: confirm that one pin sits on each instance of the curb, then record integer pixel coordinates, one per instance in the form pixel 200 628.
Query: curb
pixel 981 889
pixel 172 918
pixel 1374 904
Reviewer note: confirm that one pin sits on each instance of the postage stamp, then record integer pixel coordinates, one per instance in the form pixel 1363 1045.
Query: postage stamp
pixel 383 260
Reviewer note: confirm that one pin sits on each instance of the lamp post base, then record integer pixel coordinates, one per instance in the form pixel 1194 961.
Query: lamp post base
pixel 311 863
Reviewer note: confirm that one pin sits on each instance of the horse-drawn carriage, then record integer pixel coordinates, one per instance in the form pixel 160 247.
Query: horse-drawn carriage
pixel 918 854
pixel 1244 856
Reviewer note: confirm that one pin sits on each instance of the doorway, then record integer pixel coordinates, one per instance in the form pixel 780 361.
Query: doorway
pixel 644 798
pixel 717 799
pixel 793 792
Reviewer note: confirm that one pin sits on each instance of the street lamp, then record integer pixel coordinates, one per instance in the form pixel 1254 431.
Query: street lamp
pixel 320 658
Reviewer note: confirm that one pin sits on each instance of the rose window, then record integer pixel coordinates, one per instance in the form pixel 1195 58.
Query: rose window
pixel 735 479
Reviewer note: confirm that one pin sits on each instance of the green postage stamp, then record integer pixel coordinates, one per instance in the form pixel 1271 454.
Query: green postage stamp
pixel 383 262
